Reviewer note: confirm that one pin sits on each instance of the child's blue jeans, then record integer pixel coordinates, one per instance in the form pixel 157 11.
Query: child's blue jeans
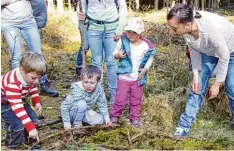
pixel 78 114
pixel 14 126
pixel 195 100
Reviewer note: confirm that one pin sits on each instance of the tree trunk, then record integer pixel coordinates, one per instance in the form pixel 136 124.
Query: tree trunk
pixel 137 4
pixel 50 7
pixel 203 4
pixel 60 6
pixel 156 4
pixel 214 5
pixel 172 3
pixel 184 1
pixel 196 4
pixel 69 6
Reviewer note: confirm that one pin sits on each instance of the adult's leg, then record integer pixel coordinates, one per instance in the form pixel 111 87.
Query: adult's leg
pixel 229 85
pixel 195 100
pixel 31 35
pixel 12 35
pixel 95 41
pixel 109 46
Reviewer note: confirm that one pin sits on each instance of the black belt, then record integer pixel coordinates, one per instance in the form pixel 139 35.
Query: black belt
pixel 100 22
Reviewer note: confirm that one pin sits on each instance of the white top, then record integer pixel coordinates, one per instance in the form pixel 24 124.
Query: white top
pixel 137 55
pixel 216 38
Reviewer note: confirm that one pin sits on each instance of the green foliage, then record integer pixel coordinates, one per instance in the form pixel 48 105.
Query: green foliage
pixel 89 146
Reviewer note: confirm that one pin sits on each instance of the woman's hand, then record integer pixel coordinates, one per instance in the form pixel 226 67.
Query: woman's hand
pixel 214 90
pixel 195 85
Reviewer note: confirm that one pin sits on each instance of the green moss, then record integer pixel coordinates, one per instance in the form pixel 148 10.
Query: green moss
pixel 117 137
pixel 192 144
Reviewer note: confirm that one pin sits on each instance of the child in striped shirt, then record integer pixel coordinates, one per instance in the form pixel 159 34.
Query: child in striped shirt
pixel 16 86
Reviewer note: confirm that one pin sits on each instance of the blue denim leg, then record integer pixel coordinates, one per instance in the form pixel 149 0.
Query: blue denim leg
pixel 12 36
pixel 109 47
pixel 195 100
pixel 77 113
pixel 79 54
pixel 98 45
pixel 12 33
pixel 229 84
pixel 13 125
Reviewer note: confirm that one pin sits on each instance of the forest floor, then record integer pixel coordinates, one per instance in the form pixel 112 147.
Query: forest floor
pixel 164 97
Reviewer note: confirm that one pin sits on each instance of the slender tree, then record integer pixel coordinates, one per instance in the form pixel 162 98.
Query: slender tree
pixel 156 4
pixel 50 7
pixel 60 6
pixel 137 4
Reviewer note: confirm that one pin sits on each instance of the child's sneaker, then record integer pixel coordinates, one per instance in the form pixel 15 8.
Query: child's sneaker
pixel 114 120
pixel 136 123
pixel 180 132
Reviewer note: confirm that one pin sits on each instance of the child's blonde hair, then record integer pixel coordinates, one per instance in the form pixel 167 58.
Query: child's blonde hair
pixel 91 71
pixel 33 62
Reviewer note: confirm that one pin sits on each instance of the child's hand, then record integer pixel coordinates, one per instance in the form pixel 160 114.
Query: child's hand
pixel 142 73
pixel 33 134
pixel 109 123
pixel 81 16
pixel 120 55
pixel 116 37
pixel 38 108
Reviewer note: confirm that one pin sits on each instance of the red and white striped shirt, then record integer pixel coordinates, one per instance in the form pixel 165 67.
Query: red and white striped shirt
pixel 14 88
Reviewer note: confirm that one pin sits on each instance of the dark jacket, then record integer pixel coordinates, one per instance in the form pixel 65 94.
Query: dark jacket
pixel 39 12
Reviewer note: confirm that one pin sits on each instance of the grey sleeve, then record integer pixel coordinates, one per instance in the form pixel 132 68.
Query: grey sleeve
pixel 64 110
pixel 217 41
pixel 122 16
pixel 83 5
pixel 195 59
pixel 102 106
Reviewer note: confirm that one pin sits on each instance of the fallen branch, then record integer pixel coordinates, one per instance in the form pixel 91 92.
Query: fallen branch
pixel 40 125
pixel 134 138
pixel 129 139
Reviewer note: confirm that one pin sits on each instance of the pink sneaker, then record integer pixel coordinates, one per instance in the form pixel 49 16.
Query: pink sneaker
pixel 114 120
pixel 136 123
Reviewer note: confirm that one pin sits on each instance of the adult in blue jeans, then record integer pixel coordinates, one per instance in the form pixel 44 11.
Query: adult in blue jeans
pixel 210 38
pixel 105 22
pixel 79 53
pixel 18 20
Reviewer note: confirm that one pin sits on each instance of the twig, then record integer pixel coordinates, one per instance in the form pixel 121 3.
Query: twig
pixel 134 138
pixel 129 139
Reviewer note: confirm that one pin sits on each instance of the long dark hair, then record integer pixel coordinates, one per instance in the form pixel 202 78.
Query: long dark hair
pixel 183 12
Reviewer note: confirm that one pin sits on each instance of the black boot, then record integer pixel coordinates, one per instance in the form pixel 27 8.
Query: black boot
pixel 46 88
